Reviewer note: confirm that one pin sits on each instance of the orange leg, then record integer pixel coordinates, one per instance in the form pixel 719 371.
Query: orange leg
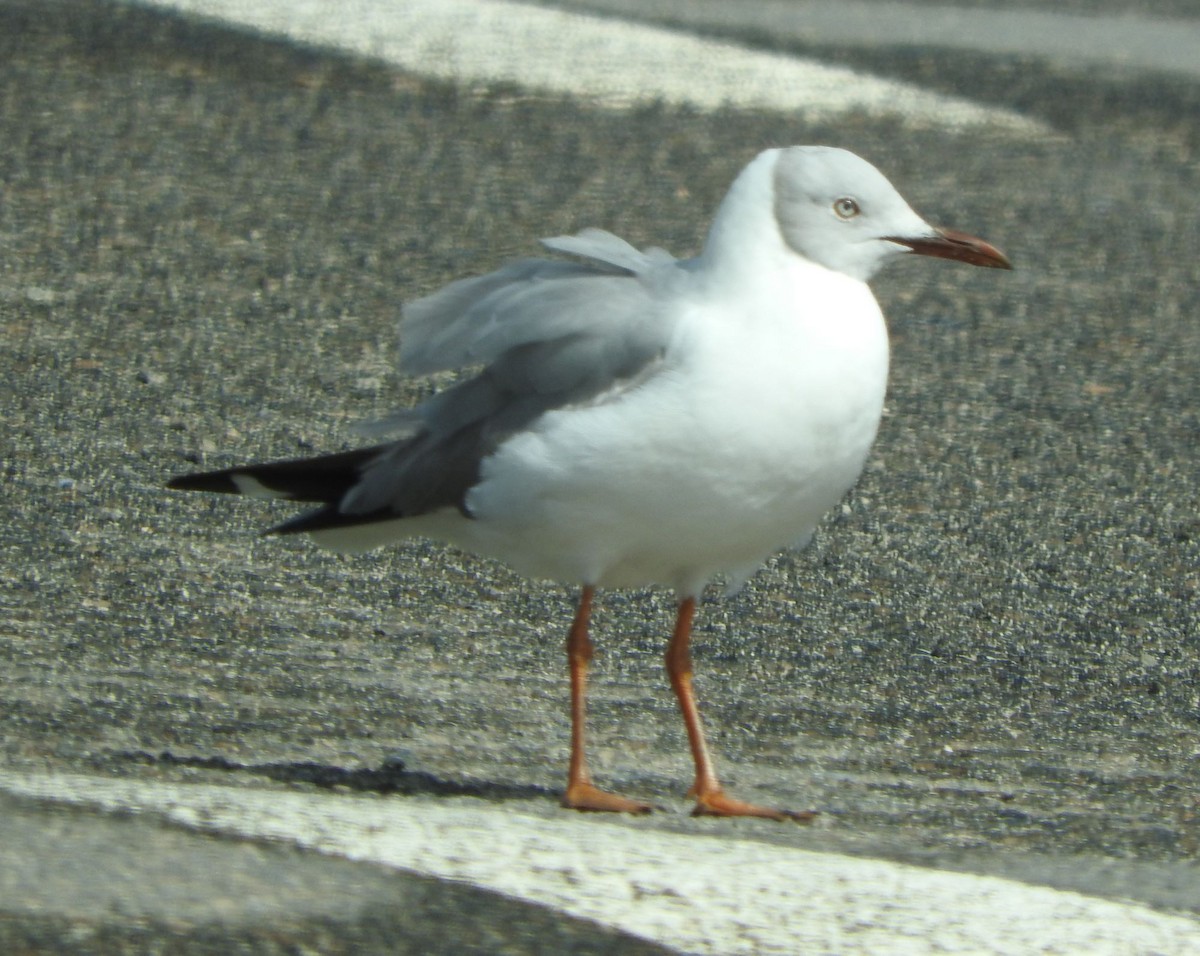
pixel 711 799
pixel 581 793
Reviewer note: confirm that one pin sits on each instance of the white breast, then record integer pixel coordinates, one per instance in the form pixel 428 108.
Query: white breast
pixel 757 423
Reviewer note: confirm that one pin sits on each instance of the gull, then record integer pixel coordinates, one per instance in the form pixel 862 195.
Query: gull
pixel 628 419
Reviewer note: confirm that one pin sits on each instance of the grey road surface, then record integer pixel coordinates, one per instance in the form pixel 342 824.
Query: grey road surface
pixel 989 661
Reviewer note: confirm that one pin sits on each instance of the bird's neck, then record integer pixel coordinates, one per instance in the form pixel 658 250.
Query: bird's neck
pixel 744 235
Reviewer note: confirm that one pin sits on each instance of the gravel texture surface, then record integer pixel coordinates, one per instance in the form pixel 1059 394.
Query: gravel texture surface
pixel 990 658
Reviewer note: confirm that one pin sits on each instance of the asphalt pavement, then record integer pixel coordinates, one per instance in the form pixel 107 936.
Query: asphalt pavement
pixel 985 673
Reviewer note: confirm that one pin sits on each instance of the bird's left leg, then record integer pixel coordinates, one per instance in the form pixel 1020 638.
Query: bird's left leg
pixel 711 799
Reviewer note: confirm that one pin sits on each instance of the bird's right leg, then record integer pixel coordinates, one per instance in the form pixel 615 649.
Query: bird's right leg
pixel 581 793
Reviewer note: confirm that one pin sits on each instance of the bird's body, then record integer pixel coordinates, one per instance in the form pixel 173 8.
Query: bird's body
pixel 618 492
pixel 637 419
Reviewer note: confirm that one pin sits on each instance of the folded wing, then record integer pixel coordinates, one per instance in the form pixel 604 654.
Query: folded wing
pixel 542 334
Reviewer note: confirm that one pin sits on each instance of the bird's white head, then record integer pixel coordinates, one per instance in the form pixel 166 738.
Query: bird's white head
pixel 837 210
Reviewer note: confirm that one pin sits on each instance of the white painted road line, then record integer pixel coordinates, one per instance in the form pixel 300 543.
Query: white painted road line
pixel 482 42
pixel 697 893
pixel 1106 38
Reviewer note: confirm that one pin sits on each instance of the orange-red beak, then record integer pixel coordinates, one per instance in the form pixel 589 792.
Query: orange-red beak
pixel 952 244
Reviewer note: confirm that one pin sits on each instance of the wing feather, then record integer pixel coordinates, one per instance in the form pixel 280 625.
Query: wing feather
pixel 540 335
pixel 544 334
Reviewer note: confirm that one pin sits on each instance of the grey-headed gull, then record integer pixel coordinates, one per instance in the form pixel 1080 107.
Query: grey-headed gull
pixel 634 419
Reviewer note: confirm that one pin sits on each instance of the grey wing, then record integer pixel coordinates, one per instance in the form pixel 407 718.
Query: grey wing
pixel 605 249
pixel 548 334
pixel 474 321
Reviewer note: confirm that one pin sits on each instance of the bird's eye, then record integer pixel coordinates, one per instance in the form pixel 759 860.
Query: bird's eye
pixel 846 208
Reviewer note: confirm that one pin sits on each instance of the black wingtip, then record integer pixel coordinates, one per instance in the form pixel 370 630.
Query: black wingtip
pixel 330 518
pixel 219 481
pixel 308 521
pixel 322 479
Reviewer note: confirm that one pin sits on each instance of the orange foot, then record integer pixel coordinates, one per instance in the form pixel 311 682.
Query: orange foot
pixel 585 796
pixel 715 803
